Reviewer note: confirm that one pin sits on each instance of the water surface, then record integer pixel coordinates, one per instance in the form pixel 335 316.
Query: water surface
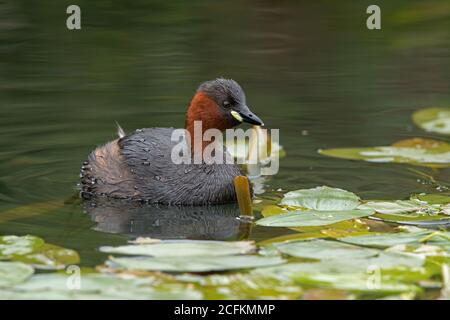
pixel 311 69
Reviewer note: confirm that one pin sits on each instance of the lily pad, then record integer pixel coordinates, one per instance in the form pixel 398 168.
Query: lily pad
pixel 335 230
pixel 433 120
pixel 183 248
pixel 354 282
pixel 97 286
pixel 433 221
pixel 312 218
pixel 432 198
pixel 194 263
pixel 272 210
pixel 358 273
pixel 300 236
pixel 324 249
pixel 386 240
pixel 393 207
pixel 12 273
pixel 410 212
pixel 383 260
pixel 238 286
pixel 33 250
pixel 321 198
pixel 416 151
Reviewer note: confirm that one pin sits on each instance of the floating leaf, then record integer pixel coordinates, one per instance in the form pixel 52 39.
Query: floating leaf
pixel 247 286
pixel 433 120
pixel 414 220
pixel 405 267
pixel 416 151
pixel 194 263
pixel 272 210
pixel 182 248
pixel 382 260
pixel 12 273
pixel 422 249
pixel 354 282
pixel 35 251
pixel 346 228
pixel 324 249
pixel 445 292
pixel 293 237
pixel 392 207
pixel 446 209
pixel 327 294
pixel 335 230
pixel 412 212
pixel 391 239
pixel 97 286
pixel 321 198
pixel 432 198
pixel 312 218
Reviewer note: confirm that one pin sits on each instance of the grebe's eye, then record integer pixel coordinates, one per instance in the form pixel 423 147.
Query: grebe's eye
pixel 226 104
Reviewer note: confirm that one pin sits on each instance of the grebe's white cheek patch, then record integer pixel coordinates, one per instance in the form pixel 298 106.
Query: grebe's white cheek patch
pixel 181 152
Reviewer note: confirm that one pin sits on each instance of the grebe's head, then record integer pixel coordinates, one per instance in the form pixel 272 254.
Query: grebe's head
pixel 221 103
pixel 230 98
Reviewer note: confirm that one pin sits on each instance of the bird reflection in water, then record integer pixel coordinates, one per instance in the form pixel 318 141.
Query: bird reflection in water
pixel 219 222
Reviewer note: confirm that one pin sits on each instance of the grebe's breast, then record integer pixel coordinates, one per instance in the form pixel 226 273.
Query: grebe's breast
pixel 139 166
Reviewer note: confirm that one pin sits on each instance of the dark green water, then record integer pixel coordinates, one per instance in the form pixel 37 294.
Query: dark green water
pixel 304 66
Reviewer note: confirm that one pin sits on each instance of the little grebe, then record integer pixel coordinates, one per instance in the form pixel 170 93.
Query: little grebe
pixel 138 166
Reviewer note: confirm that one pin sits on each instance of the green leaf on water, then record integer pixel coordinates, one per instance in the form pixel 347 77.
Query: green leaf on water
pixel 416 151
pixel 98 286
pixel 312 218
pixel 272 210
pixel 354 282
pixel 183 248
pixel 324 249
pixel 12 273
pixel 238 286
pixel 386 240
pixel 293 237
pixel 396 268
pixel 409 208
pixel 394 207
pixel 434 221
pixel 432 198
pixel 382 260
pixel 193 263
pixel 412 212
pixel 322 199
pixel 33 250
pixel 433 120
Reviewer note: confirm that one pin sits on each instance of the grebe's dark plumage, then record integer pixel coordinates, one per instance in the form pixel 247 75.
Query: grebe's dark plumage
pixel 138 166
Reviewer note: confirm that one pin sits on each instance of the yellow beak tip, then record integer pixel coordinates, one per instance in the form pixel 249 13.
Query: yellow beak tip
pixel 237 116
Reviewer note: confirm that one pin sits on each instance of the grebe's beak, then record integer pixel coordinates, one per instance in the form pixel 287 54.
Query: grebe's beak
pixel 246 115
